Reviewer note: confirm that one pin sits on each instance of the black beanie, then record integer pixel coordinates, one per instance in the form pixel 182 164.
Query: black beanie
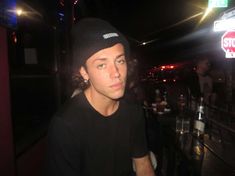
pixel 91 35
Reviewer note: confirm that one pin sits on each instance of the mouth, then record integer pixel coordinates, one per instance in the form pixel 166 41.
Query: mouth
pixel 117 86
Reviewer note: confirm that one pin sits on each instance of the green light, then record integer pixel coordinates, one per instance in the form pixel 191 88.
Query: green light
pixel 217 3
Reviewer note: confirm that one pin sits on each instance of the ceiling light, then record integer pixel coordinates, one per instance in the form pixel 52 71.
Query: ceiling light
pixel 19 12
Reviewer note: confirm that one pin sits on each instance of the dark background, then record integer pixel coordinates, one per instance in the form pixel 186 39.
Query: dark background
pixel 173 32
pixel 173 29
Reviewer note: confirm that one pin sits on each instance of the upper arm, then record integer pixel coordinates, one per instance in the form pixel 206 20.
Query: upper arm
pixel 143 166
pixel 139 141
pixel 63 152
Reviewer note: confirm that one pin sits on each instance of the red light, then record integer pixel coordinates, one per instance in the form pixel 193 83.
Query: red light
pixel 164 80
pixel 167 67
pixel 14 37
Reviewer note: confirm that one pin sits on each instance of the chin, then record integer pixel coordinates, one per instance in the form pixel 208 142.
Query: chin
pixel 117 96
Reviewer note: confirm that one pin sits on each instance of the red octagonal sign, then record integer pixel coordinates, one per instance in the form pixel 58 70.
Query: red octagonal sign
pixel 228 44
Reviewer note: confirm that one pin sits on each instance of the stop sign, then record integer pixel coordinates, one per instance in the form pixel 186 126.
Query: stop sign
pixel 228 44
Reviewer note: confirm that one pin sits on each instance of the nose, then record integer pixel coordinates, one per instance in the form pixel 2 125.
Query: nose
pixel 114 71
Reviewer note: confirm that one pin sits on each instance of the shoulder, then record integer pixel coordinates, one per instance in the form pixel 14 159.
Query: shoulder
pixel 133 109
pixel 70 114
pixel 72 106
pixel 131 104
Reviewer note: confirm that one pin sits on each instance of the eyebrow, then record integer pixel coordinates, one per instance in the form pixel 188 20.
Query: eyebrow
pixel 100 59
pixel 120 55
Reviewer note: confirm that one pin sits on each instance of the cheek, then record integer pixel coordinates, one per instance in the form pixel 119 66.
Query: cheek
pixel 125 73
pixel 123 70
pixel 99 78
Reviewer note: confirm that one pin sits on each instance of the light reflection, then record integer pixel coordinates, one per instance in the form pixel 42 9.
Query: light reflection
pixel 171 26
pixel 207 12
pixel 27 11
pixel 19 12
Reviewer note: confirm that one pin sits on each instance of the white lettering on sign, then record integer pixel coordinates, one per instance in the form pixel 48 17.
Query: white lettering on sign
pixel 229 54
pixel 229 42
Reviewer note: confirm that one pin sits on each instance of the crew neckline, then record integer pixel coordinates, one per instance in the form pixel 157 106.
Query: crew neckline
pixel 111 116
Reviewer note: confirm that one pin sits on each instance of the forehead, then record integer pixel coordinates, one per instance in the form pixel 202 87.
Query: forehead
pixel 108 53
pixel 204 61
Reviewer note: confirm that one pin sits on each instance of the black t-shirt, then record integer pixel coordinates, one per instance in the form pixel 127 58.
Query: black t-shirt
pixel 82 142
pixel 193 84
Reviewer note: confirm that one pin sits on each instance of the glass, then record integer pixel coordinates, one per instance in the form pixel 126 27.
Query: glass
pixel 179 125
pixel 154 107
pixel 182 125
pixel 186 125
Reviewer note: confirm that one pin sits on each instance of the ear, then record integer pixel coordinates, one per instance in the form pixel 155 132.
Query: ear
pixel 84 73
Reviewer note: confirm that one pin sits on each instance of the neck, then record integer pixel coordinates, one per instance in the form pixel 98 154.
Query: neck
pixel 101 103
pixel 200 72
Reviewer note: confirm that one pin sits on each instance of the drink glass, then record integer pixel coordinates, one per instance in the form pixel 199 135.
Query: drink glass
pixel 154 107
pixel 182 125
pixel 186 125
pixel 179 125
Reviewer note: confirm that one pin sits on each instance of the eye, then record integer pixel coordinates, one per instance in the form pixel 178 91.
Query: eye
pixel 101 66
pixel 121 61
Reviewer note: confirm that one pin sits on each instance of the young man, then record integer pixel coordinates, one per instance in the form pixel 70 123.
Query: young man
pixel 97 133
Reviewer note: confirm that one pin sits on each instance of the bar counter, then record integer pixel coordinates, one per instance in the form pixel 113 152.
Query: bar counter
pixel 175 151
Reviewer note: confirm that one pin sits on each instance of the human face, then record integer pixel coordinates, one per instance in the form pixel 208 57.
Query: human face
pixel 106 71
pixel 204 65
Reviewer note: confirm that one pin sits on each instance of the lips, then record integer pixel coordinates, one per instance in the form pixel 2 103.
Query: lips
pixel 117 86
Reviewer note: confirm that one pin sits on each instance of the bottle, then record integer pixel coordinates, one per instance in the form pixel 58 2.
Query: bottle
pixel 198 135
pixel 198 154
pixel 165 103
pixel 199 120
pixel 180 123
pixel 197 149
pixel 182 119
pixel 158 98
pixel 181 103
